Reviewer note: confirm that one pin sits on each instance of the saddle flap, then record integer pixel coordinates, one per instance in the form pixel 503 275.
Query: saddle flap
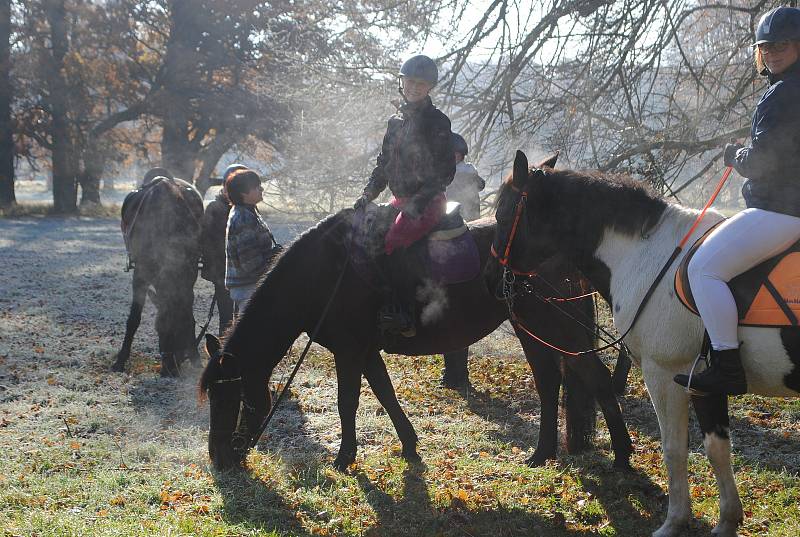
pixel 766 295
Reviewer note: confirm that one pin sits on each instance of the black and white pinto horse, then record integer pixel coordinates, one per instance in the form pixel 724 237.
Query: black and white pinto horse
pixel 620 234
pixel 161 222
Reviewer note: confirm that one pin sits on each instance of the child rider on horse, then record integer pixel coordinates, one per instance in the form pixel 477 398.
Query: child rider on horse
pixel 771 222
pixel 416 162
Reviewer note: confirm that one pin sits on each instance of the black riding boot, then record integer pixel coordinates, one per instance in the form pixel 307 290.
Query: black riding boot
pixel 396 315
pixel 725 376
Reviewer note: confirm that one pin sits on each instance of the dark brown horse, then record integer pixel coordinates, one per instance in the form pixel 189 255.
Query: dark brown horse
pixel 291 298
pixel 161 222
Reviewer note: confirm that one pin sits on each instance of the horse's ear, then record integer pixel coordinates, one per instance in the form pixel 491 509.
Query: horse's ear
pixel 549 162
pixel 520 169
pixel 212 344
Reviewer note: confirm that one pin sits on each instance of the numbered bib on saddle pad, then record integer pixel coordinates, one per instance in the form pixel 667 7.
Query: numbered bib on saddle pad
pixel 766 295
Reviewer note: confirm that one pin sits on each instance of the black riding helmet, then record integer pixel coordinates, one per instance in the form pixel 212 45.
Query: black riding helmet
pixel 421 67
pixel 779 24
pixel 459 143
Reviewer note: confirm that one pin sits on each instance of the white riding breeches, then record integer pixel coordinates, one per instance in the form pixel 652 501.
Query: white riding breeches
pixel 737 245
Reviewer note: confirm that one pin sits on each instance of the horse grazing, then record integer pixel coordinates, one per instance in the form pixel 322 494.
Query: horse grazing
pixel 290 300
pixel 619 235
pixel 161 222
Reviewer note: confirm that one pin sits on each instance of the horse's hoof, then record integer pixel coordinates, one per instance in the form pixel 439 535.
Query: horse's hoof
pixel 168 373
pixel 118 366
pixel 342 464
pixel 538 459
pixel 343 461
pixel 726 529
pixel 623 465
pixel 671 530
pixel 411 455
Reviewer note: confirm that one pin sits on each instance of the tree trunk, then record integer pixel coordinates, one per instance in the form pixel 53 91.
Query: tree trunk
pixel 65 191
pixel 89 178
pixel 7 196
pixel 177 153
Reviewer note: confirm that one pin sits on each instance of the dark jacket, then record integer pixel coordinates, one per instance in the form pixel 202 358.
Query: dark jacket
pixel 248 246
pixel 212 239
pixel 772 161
pixel 416 159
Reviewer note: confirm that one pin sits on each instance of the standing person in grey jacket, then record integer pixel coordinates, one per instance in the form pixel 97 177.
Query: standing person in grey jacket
pixel 249 244
pixel 212 245
pixel 467 183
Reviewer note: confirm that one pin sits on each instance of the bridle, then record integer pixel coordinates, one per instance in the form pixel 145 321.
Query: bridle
pixel 515 282
pixel 507 291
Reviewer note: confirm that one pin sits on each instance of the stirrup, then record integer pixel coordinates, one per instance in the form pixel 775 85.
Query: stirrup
pixel 691 391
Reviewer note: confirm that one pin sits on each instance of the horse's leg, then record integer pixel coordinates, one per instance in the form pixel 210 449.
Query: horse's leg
pixel 672 409
pixel 597 379
pixel 348 376
pixel 139 287
pixel 619 380
pixel 165 328
pixel 547 376
pixel 580 411
pixel 381 384
pixel 712 414
pixel 456 373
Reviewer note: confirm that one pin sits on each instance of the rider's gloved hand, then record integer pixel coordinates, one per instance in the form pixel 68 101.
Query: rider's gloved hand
pixel 729 155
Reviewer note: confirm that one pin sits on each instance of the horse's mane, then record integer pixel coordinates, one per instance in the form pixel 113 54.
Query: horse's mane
pixel 326 226
pixel 628 204
pixel 333 227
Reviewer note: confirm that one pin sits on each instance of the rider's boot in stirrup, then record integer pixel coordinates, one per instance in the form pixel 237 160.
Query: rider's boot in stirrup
pixel 725 376
pixel 393 318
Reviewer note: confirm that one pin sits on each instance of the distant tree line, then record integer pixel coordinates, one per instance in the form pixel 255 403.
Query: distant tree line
pixel 649 87
pixel 86 84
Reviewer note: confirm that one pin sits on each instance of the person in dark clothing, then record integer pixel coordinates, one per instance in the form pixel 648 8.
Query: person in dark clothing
pixel 212 246
pixel 771 222
pixel 416 163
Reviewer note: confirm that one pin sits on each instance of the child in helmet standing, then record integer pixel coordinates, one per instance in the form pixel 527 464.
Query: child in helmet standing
pixel 416 163
pixel 771 222
pixel 465 189
pixel 467 183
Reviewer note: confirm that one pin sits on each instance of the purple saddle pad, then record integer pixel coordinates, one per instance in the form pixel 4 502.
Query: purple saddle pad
pixel 453 260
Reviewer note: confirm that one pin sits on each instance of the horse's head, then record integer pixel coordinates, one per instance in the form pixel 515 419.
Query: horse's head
pixel 522 240
pixel 235 413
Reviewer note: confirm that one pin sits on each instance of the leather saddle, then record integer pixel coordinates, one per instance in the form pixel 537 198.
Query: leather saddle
pixel 447 255
pixel 766 295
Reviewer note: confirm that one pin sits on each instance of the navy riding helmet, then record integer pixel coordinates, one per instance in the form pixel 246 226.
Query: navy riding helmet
pixel 459 143
pixel 779 24
pixel 421 67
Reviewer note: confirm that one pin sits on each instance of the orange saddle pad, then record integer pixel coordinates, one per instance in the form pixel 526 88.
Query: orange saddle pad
pixel 766 295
